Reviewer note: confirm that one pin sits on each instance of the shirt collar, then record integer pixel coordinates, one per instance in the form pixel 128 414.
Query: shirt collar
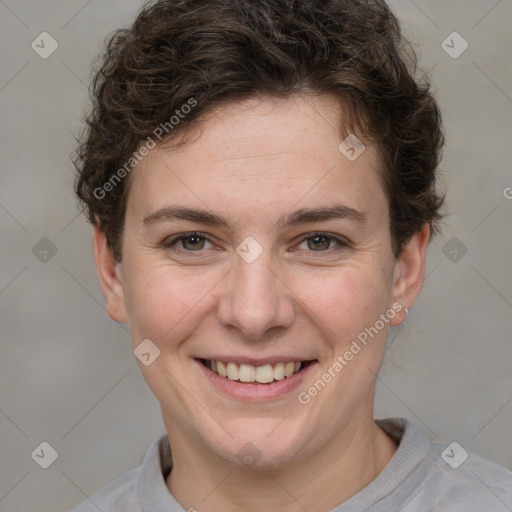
pixel 412 450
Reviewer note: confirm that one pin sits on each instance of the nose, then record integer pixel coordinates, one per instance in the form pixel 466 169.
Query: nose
pixel 255 299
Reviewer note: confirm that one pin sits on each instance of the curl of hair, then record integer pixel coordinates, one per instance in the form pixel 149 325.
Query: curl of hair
pixel 221 51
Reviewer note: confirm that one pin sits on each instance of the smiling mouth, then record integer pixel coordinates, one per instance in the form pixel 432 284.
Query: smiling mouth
pixel 247 373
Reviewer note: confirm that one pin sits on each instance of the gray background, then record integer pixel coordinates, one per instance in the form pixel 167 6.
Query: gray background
pixel 67 372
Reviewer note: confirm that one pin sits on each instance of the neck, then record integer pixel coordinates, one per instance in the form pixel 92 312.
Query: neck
pixel 319 482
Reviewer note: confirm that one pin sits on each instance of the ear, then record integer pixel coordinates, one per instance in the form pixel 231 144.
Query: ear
pixel 110 277
pixel 410 272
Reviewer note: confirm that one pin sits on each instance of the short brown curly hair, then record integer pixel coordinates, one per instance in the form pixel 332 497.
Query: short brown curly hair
pixel 210 52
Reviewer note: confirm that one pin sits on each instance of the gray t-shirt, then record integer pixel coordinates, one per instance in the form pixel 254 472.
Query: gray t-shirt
pixel 421 477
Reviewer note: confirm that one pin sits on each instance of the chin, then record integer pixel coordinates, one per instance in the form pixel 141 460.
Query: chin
pixel 266 443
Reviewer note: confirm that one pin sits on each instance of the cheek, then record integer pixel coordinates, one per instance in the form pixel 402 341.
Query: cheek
pixel 165 305
pixel 345 304
pixel 345 301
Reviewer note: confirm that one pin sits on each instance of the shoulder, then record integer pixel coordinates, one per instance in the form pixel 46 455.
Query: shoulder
pixel 118 496
pixel 142 488
pixel 463 479
pixel 438 477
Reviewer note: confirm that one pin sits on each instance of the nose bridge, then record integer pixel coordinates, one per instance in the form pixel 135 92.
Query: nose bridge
pixel 255 300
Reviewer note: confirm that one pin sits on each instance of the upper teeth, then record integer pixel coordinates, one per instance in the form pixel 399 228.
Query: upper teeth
pixel 248 373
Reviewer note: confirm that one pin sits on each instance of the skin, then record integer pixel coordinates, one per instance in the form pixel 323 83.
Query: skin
pixel 253 162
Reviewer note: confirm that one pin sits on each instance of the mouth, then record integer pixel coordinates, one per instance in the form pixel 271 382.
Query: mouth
pixel 266 374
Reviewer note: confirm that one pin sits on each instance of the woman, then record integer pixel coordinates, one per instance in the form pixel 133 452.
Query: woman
pixel 261 181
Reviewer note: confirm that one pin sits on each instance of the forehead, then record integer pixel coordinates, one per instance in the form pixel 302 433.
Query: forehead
pixel 260 153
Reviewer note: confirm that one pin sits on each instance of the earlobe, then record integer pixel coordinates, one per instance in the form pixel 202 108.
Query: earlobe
pixel 410 272
pixel 110 277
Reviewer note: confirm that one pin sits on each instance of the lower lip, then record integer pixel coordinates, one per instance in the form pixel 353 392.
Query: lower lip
pixel 255 391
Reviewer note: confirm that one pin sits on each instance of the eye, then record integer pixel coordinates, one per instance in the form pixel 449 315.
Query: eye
pixel 323 242
pixel 190 242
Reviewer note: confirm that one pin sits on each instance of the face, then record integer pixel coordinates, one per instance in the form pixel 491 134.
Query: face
pixel 259 249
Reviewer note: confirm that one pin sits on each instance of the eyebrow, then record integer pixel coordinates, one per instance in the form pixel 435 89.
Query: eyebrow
pixel 302 216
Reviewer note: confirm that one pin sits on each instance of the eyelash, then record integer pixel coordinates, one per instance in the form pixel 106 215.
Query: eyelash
pixel 342 244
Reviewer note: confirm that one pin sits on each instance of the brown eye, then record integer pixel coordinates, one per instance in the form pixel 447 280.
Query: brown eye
pixel 192 242
pixel 319 243
pixel 187 242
